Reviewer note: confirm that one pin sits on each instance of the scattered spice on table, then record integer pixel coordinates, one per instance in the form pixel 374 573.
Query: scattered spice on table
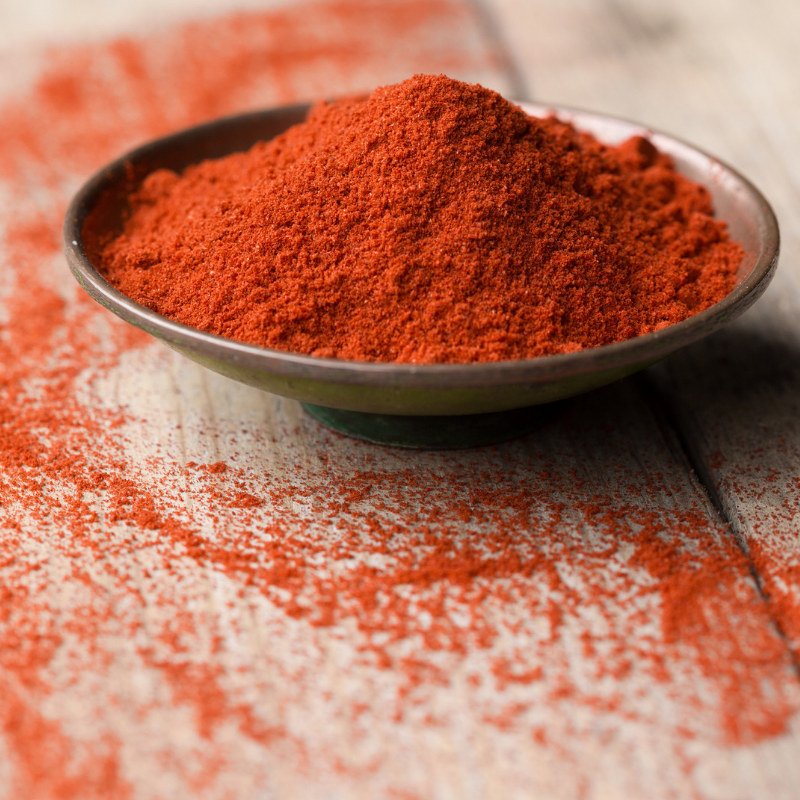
pixel 432 222
pixel 205 606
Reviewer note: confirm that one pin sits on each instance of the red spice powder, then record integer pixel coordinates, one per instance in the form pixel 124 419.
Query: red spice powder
pixel 432 222
pixel 203 594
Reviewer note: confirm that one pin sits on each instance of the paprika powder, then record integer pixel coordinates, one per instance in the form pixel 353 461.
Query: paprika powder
pixel 432 222
pixel 193 614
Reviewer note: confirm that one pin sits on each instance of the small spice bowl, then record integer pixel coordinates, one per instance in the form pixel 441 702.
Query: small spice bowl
pixel 425 405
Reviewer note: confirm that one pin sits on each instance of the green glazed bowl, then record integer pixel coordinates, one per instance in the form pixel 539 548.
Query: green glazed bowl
pixel 429 405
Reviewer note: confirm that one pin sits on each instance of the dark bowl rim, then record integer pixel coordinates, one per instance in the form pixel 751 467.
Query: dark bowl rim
pixel 619 355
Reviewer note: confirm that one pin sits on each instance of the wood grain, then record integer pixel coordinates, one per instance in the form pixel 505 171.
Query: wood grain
pixel 261 608
pixel 724 76
pixel 582 498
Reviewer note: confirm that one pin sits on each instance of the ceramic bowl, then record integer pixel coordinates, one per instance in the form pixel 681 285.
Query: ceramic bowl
pixel 447 405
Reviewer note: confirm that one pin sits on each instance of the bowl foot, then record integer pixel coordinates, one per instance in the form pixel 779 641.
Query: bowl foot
pixel 433 433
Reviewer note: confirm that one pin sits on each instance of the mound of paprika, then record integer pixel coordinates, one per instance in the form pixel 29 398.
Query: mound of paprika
pixel 432 222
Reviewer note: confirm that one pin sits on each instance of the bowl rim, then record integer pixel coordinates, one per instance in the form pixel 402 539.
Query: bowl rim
pixel 543 369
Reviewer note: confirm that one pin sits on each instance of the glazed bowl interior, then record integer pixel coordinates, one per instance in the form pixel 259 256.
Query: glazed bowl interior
pixel 408 389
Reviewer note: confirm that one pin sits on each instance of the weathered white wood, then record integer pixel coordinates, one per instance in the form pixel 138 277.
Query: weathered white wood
pixel 605 452
pixel 199 678
pixel 725 76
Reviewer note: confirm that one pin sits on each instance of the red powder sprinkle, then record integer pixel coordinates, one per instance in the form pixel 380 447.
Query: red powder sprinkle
pixel 323 617
pixel 433 222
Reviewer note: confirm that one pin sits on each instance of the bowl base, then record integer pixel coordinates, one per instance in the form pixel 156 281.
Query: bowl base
pixel 433 433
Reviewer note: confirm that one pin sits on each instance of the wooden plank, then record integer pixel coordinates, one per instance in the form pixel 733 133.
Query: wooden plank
pixel 487 616
pixel 736 397
pixel 207 594
pixel 724 76
pixel 736 401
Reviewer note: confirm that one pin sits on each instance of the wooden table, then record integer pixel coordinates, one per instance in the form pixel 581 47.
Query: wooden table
pixel 205 594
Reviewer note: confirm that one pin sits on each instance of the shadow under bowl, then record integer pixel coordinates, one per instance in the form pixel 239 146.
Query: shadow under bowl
pixel 427 405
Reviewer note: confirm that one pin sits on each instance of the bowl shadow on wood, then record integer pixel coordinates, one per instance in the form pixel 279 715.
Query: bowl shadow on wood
pixel 734 400
pixel 744 381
